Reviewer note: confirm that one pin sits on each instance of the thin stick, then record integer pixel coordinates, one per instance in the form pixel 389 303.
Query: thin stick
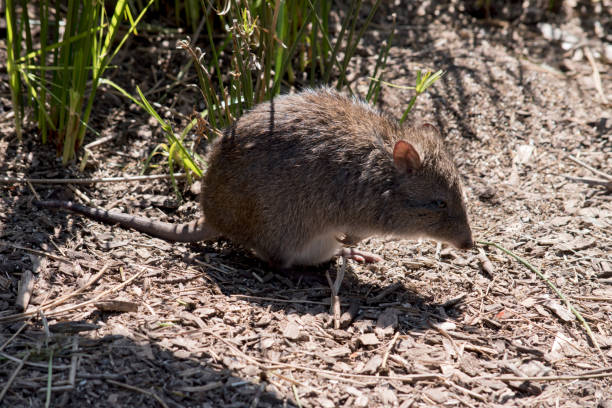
pixel 49 380
pixel 308 302
pixel 407 378
pixel 24 291
pixel 90 282
pixel 140 390
pixel 383 365
pixel 548 378
pixel 554 288
pixel 77 306
pixel 214 267
pixel 95 299
pixel 596 76
pixel 100 141
pixel 586 166
pixel 591 182
pixel 466 391
pixel 13 376
pixel 16 180
pixel 291 380
pixel 271 365
pixel 6 343
pixel 37 252
pixel 31 364
pixel 33 190
pixel 57 301
pixel 74 361
pixel 595 298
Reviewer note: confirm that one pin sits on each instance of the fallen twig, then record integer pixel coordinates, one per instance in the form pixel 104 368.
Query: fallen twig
pixel 57 301
pixel 466 391
pixel 383 365
pixel 24 291
pixel 596 76
pixel 49 379
pixel 6 343
pixel 32 364
pixel 270 299
pixel 37 252
pixel 595 298
pixel 546 378
pixel 591 182
pixel 74 361
pixel 77 306
pixel 586 166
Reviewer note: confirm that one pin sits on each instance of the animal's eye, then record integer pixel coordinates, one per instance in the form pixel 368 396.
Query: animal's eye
pixel 439 204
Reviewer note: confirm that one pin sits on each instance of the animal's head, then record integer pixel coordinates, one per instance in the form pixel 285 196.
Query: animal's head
pixel 428 197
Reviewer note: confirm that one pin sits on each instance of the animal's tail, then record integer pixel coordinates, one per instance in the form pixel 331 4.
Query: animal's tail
pixel 196 230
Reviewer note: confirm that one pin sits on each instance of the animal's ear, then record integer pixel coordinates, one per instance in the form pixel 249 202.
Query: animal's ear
pixel 405 157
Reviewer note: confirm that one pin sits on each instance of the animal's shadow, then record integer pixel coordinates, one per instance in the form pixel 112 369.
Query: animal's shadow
pixel 121 371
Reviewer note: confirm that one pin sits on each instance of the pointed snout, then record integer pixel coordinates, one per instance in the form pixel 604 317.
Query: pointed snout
pixel 464 241
pixel 466 244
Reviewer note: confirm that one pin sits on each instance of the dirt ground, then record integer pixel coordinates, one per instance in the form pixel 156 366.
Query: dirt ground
pixel 141 322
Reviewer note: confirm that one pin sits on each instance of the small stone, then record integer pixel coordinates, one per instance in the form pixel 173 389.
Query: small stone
pixel 196 187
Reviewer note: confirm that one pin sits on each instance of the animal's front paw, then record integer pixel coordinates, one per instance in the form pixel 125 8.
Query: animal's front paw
pixel 359 256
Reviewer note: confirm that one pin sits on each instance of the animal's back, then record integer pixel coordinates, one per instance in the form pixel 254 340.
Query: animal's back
pixel 284 172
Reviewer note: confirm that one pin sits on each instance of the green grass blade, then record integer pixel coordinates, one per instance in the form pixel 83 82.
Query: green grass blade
pixel 381 63
pixel 352 47
pixel 336 48
pixel 13 39
pixel 65 42
pixel 289 55
pixel 43 117
pixel 187 159
pixel 49 379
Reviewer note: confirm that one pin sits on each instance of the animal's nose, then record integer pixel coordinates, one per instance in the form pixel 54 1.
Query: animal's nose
pixel 467 244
